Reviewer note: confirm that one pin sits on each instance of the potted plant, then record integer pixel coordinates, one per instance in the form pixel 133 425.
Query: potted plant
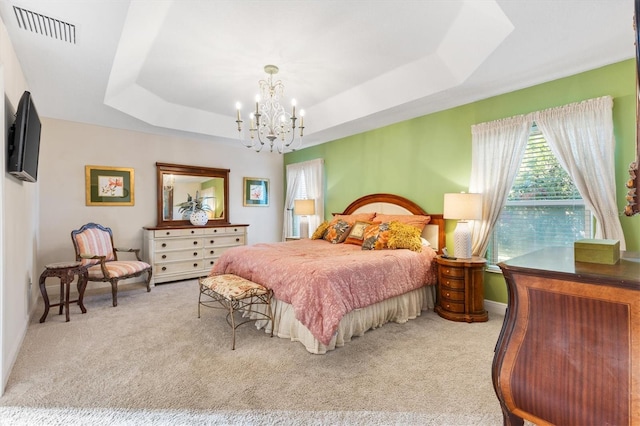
pixel 195 209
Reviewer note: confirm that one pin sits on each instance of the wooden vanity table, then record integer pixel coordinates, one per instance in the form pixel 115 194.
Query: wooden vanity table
pixel 569 349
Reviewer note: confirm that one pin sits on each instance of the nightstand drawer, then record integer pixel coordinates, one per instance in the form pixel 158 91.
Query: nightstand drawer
pixel 457 307
pixel 453 283
pixel 451 272
pixel 451 295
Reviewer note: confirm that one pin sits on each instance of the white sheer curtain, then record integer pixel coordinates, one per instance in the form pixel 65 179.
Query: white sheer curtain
pixel 497 149
pixel 312 172
pixel 581 136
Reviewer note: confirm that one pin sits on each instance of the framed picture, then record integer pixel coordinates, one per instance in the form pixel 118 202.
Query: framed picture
pixel 256 192
pixel 109 186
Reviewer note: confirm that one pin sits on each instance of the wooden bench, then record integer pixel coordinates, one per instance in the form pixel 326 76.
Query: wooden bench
pixel 234 293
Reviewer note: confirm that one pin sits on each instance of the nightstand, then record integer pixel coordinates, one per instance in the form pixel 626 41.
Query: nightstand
pixel 461 289
pixel 292 238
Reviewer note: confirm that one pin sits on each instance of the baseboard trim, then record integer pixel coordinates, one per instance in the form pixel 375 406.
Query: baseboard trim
pixel 495 307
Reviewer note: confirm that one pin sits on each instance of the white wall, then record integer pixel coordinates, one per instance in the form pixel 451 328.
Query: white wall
pixel 66 147
pixel 18 226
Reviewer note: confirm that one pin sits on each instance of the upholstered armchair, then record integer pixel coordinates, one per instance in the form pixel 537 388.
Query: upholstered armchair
pixel 94 248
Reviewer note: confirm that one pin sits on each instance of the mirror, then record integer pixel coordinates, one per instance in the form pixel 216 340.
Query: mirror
pixel 176 183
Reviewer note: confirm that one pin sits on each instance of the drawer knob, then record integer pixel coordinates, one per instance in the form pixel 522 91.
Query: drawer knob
pixel 211 263
pixel 168 233
pixel 195 253
pixel 193 232
pixel 212 251
pixel 212 241
pixel 237 240
pixel 447 294
pixel 195 243
pixel 447 271
pixel 164 244
pixel 195 265
pixel 164 268
pixel 448 306
pixel 215 230
pixel 164 256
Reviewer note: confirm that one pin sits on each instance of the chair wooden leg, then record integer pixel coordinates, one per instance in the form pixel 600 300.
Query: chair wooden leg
pixel 114 292
pixel 149 281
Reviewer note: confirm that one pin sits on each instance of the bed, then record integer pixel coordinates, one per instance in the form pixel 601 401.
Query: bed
pixel 325 294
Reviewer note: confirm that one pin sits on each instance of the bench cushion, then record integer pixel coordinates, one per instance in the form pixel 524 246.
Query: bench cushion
pixel 232 286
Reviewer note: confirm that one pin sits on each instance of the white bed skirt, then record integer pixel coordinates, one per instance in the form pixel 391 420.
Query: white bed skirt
pixel 399 309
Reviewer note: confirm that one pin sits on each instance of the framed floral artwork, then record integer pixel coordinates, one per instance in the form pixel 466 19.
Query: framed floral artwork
pixel 109 186
pixel 256 192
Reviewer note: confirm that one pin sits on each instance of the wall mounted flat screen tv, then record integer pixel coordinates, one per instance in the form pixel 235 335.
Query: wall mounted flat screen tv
pixel 24 141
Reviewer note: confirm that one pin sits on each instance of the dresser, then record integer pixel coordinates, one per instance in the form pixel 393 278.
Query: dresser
pixel 569 349
pixel 461 289
pixel 182 252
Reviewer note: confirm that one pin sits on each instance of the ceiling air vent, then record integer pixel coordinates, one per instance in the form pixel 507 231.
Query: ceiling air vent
pixel 40 24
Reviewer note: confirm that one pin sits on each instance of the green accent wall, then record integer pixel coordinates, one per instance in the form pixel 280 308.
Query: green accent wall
pixel 425 157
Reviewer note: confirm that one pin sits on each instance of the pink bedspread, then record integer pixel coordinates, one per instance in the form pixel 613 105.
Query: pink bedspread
pixel 324 281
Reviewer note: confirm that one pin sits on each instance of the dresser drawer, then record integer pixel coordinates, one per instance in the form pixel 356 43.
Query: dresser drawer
pixel 451 272
pixel 448 295
pixel 170 256
pixel 160 233
pixel 235 230
pixel 178 244
pixel 177 267
pixel 214 251
pixel 224 240
pixel 214 231
pixel 208 264
pixel 452 283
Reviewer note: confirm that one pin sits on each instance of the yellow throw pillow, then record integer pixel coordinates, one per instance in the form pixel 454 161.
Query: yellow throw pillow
pixel 406 236
pixel 320 231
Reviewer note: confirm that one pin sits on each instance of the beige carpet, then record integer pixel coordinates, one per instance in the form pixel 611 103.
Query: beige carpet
pixel 152 361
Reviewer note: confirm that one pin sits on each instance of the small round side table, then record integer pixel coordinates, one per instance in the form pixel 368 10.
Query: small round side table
pixel 65 271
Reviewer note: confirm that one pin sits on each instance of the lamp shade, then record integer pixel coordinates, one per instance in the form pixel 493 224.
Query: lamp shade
pixel 304 207
pixel 463 206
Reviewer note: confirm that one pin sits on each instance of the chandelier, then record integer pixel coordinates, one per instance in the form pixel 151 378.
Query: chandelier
pixel 270 124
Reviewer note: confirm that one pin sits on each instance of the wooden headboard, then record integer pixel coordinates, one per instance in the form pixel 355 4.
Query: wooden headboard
pixel 395 204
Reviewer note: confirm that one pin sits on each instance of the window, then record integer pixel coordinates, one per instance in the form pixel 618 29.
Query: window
pixel 543 208
pixel 300 194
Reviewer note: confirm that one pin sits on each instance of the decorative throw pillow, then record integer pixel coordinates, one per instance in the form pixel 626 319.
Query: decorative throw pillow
pixel 356 235
pixel 404 236
pixel 419 221
pixel 376 236
pixel 353 218
pixel 318 234
pixel 337 232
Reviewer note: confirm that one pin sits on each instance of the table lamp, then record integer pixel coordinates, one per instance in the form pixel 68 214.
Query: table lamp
pixel 304 208
pixel 463 207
